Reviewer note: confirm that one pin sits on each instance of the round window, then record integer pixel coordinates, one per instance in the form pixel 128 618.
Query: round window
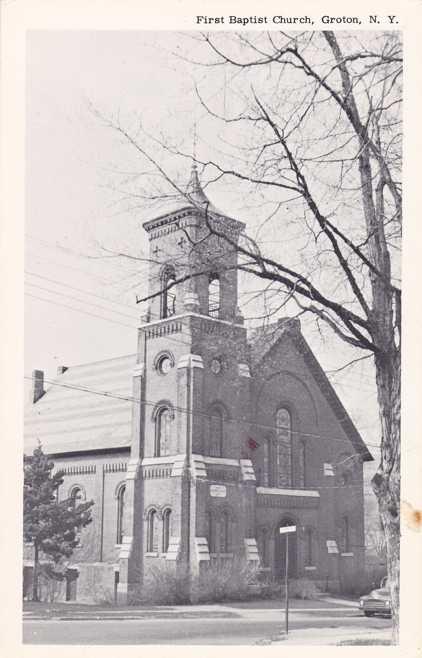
pixel 164 365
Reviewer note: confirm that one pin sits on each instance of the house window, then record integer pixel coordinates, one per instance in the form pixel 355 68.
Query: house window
pixel 345 535
pixel 168 294
pixel 166 530
pixel 283 426
pixel 152 529
pixel 120 513
pixel 215 432
pixel 163 422
pixel 214 296
pixel 308 553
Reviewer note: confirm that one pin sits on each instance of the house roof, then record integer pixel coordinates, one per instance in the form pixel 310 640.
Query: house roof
pixel 88 407
pixel 262 340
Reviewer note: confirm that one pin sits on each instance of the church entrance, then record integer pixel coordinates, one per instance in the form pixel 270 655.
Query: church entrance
pixel 280 550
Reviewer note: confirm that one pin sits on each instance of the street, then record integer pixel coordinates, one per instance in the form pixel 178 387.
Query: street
pixel 214 625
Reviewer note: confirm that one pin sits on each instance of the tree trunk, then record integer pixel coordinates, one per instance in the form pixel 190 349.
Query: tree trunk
pixel 386 482
pixel 35 574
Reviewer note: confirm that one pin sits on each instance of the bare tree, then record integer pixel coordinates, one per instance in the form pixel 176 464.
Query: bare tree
pixel 314 130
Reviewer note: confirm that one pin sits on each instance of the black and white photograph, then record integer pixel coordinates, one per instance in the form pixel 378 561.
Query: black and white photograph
pixel 212 333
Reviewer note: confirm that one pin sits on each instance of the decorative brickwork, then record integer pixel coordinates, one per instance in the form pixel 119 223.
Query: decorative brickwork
pixel 80 469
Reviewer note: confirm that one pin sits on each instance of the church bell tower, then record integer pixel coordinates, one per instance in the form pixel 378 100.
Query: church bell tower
pixel 192 495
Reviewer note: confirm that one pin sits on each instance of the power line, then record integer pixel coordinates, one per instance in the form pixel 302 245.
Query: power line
pixel 155 316
pixel 168 338
pixel 125 398
pixel 72 308
pixel 85 292
pixel 82 301
pixel 65 265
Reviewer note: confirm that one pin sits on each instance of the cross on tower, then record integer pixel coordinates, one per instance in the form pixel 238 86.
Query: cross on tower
pixel 156 251
pixel 181 243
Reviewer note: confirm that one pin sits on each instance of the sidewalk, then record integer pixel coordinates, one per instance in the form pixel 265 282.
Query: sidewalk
pixel 79 611
pixel 333 636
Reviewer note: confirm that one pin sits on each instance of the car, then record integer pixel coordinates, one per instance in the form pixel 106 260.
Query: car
pixel 377 602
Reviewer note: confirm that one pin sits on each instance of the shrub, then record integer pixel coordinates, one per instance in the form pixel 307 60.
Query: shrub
pixel 228 581
pixel 236 580
pixel 303 588
pixel 162 585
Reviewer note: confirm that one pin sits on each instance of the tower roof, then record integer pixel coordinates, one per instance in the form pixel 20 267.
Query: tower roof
pixel 195 193
pixel 192 198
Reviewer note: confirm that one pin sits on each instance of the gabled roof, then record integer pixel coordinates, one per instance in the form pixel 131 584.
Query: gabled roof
pixel 262 340
pixel 86 408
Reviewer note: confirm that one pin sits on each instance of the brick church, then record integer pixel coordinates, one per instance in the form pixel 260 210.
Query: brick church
pixel 198 447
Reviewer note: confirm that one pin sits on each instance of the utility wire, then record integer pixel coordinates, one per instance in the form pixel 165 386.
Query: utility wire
pixel 82 301
pixel 168 338
pixel 85 292
pixel 72 308
pixel 125 398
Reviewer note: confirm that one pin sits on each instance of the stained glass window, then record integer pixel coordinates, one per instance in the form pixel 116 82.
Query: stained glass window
pixel 284 447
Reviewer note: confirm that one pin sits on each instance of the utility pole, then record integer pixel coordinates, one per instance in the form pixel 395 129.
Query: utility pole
pixel 286 530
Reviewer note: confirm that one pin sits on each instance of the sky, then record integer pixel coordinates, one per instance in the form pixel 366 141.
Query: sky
pixel 80 301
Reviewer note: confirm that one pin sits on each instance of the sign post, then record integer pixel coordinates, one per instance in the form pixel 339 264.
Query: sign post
pixel 286 530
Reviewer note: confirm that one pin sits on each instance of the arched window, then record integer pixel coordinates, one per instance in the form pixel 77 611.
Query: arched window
pixel 168 294
pixel 163 423
pixel 152 537
pixel 214 296
pixel 166 529
pixel 215 432
pixel 283 426
pixel 76 495
pixel 120 513
pixel 301 480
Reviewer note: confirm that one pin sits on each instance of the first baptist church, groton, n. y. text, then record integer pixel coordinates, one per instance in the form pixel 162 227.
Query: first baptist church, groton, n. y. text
pixel 201 445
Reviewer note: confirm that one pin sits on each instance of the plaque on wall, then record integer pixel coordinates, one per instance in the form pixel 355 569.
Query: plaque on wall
pixel 218 490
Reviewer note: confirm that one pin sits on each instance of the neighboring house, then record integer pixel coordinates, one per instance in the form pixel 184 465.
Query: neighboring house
pixel 200 445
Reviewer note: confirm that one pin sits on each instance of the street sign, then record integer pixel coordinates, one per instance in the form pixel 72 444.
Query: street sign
pixel 287 528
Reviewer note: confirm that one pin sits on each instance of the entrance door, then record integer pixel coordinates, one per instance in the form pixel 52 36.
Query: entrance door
pixel 280 550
